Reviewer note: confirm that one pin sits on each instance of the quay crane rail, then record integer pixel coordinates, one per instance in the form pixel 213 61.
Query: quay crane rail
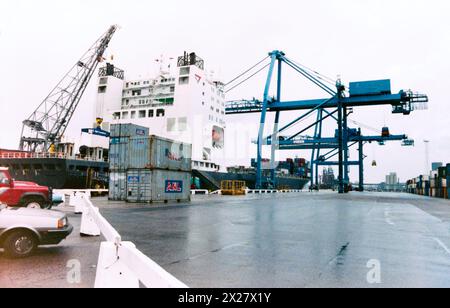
pixel 44 129
pixel 338 106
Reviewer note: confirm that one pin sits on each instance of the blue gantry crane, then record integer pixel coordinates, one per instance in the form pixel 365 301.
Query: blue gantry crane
pixel 331 144
pixel 338 106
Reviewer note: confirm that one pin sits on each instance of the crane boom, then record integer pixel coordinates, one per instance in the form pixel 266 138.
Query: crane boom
pixel 47 124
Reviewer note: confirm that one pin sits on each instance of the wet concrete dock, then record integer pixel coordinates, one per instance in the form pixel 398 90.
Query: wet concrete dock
pixel 298 240
pixel 292 240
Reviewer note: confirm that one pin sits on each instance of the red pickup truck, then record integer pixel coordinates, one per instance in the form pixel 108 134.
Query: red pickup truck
pixel 23 194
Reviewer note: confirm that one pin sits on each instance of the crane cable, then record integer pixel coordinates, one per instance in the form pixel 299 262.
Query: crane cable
pixel 247 71
pixel 320 76
pixel 365 126
pixel 245 80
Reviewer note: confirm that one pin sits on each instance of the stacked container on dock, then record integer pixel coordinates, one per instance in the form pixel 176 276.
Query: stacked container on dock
pixel 448 181
pixel 436 185
pixel 159 153
pixel 147 186
pixel 433 184
pixel 118 157
pixel 152 169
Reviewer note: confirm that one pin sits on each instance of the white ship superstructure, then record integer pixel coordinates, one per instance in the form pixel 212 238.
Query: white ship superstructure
pixel 187 105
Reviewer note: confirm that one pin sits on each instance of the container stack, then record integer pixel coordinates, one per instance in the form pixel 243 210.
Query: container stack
pixel 147 169
pixel 435 185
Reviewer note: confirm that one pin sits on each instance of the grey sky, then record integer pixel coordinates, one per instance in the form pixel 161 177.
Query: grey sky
pixel 406 41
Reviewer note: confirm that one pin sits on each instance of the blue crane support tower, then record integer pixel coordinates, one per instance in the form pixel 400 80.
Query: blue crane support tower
pixel 338 107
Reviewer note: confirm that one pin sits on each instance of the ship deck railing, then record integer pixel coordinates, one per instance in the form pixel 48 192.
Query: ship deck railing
pixel 46 155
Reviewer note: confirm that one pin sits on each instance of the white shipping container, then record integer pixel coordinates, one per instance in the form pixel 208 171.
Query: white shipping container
pixel 432 183
pixel 147 186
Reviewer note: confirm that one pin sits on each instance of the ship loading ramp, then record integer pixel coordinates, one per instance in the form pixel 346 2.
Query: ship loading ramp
pixel 207 181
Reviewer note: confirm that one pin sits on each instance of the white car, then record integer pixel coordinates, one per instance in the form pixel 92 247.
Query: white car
pixel 22 230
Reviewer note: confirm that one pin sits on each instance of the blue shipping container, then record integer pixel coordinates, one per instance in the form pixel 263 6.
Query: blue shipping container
pixel 375 87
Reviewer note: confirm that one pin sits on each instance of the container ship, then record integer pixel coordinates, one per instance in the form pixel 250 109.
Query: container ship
pixel 59 170
pixel 183 103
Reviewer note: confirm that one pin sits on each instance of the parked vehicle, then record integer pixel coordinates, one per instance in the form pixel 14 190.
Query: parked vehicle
pixel 22 230
pixel 23 194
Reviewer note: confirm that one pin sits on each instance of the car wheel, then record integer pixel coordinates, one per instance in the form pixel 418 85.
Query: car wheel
pixel 34 203
pixel 20 244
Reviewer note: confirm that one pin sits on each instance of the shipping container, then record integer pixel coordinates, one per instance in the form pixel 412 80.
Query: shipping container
pixel 118 153
pixel 433 183
pixel 436 166
pixel 147 186
pixel 159 153
pixel 117 186
pixel 129 130
pixel 375 87
pixel 427 189
pixel 442 172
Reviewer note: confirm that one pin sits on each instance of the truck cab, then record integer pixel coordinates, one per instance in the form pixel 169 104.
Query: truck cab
pixel 23 194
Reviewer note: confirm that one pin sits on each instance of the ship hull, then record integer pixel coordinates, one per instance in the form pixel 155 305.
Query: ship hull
pixel 211 180
pixel 59 173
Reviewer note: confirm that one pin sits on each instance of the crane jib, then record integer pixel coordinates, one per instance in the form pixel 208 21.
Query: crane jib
pixel 45 127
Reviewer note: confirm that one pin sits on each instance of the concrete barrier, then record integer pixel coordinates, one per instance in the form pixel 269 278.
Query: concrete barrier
pixel 120 264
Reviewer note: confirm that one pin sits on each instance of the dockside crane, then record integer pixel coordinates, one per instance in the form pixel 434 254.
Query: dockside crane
pixel 338 107
pixel 45 127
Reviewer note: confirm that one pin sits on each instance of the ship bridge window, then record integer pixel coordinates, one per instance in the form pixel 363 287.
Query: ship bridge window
pixel 172 89
pixel 184 80
pixel 103 81
pixel 142 114
pixel 185 71
pixel 182 124
pixel 102 89
pixel 171 123
pixel 151 113
pixel 125 115
pixel 133 114
pixel 116 115
pixel 160 113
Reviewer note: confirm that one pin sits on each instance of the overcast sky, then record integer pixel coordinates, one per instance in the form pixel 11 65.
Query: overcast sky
pixel 404 40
